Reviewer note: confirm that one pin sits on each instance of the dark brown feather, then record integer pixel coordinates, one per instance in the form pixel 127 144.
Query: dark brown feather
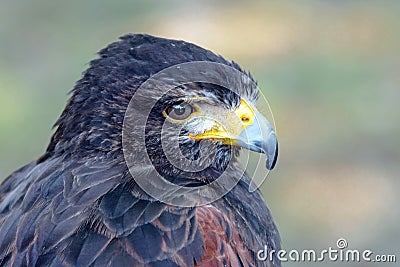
pixel 78 205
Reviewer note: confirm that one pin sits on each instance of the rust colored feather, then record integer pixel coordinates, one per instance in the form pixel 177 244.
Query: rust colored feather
pixel 222 244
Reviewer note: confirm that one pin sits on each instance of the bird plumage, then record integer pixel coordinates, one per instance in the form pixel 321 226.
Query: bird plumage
pixel 78 204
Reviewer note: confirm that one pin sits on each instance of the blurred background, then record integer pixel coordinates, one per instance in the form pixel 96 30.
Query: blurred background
pixel 330 70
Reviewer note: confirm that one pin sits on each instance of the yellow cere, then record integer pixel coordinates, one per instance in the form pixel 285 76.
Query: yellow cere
pixel 233 123
pixel 245 113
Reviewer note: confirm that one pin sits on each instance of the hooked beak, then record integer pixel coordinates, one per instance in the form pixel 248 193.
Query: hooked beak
pixel 252 131
pixel 260 137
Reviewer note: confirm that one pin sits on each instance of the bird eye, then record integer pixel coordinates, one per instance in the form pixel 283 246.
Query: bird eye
pixel 179 111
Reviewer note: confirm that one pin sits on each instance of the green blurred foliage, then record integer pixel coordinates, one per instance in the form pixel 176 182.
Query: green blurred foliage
pixel 330 70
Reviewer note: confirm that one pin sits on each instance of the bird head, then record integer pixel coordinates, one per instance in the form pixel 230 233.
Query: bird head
pixel 199 122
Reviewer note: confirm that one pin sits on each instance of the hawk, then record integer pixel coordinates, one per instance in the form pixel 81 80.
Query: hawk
pixel 82 204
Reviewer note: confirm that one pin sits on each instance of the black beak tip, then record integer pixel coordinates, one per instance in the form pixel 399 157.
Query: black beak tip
pixel 271 162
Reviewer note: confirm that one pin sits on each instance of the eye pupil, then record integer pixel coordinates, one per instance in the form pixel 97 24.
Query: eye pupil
pixel 179 110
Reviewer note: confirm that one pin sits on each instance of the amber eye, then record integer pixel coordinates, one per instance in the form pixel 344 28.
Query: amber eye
pixel 179 111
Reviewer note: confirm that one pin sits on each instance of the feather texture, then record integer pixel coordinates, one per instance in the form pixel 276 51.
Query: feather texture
pixel 78 205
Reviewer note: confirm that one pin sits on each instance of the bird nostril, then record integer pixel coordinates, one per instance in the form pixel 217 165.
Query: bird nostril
pixel 245 119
